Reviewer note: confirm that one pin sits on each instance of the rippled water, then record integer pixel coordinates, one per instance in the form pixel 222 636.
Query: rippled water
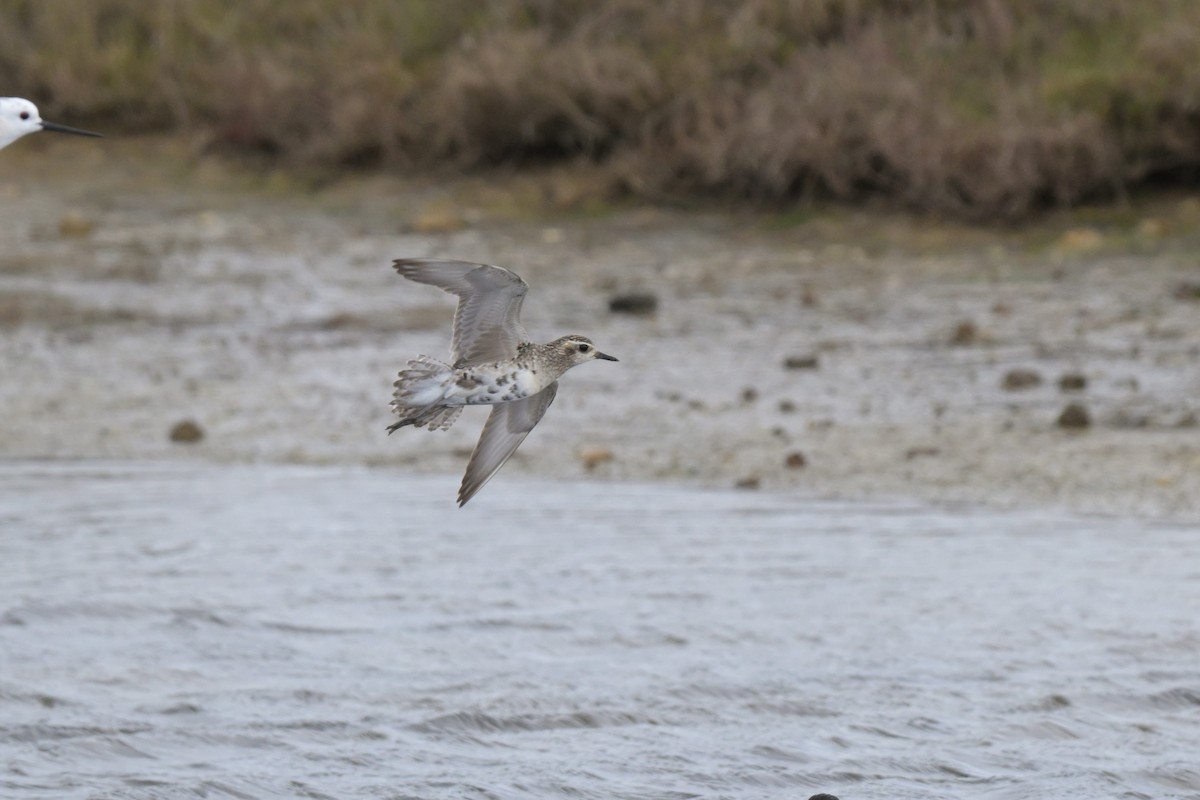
pixel 175 630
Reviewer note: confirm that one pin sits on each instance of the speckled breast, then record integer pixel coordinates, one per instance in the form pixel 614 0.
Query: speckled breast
pixel 483 385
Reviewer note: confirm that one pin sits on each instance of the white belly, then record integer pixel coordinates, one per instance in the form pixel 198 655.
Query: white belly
pixel 487 385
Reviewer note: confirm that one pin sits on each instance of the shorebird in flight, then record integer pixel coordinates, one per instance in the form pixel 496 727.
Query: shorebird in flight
pixel 18 117
pixel 494 363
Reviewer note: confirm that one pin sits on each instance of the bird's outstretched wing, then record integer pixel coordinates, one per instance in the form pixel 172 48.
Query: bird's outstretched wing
pixel 487 322
pixel 503 433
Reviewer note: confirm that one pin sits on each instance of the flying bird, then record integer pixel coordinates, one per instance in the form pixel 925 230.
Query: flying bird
pixel 493 363
pixel 18 117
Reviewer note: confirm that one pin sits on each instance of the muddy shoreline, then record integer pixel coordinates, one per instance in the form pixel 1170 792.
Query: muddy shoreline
pixel 836 354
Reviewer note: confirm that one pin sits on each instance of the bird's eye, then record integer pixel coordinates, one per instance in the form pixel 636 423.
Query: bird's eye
pixel 583 348
pixel 24 115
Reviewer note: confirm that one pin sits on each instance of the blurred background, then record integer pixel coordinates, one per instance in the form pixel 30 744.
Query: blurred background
pixel 979 108
pixel 883 232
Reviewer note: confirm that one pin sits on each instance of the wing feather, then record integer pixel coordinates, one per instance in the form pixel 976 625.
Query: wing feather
pixel 487 322
pixel 505 429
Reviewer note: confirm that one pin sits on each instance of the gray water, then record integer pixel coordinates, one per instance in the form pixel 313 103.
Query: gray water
pixel 181 630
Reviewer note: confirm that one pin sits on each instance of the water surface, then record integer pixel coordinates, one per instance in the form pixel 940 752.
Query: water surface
pixel 186 630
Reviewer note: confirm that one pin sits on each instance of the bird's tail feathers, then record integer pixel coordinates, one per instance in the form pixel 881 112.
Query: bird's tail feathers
pixel 419 390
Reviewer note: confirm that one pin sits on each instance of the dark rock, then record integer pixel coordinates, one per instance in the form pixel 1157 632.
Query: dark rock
pixel 633 303
pixel 965 333
pixel 1017 379
pixel 787 407
pixel 801 362
pixel 920 452
pixel 749 394
pixel 1072 382
pixel 186 432
pixel 749 482
pixel 1075 416
pixel 795 460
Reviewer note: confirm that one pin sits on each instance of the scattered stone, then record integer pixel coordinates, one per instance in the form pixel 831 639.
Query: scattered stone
pixel 633 303
pixel 186 432
pixel 787 407
pixel 1072 382
pixel 965 333
pixel 801 362
pixel 1188 420
pixel 913 453
pixel 749 482
pixel 593 457
pixel 1002 309
pixel 1075 417
pixel 808 297
pixel 795 460
pixel 823 796
pixel 73 225
pixel 749 394
pixel 1021 378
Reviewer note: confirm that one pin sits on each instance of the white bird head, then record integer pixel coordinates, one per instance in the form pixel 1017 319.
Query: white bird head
pixel 19 117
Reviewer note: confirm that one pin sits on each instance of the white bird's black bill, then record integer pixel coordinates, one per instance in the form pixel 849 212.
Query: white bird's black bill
pixel 54 126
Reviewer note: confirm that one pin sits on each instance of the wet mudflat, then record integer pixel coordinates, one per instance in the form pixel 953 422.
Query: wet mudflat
pixel 144 287
pixel 180 629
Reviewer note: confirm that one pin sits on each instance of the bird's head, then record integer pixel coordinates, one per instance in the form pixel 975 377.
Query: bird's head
pixel 18 117
pixel 578 349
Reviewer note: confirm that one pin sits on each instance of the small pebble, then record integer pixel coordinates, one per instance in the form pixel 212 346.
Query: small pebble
pixel 787 407
pixel 965 333
pixel 73 225
pixel 1017 379
pixel 593 457
pixel 795 460
pixel 801 362
pixel 186 432
pixel 749 394
pixel 633 303
pixel 749 482
pixel 1072 382
pixel 1075 417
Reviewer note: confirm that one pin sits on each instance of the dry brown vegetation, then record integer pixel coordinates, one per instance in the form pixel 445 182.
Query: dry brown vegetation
pixel 983 108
